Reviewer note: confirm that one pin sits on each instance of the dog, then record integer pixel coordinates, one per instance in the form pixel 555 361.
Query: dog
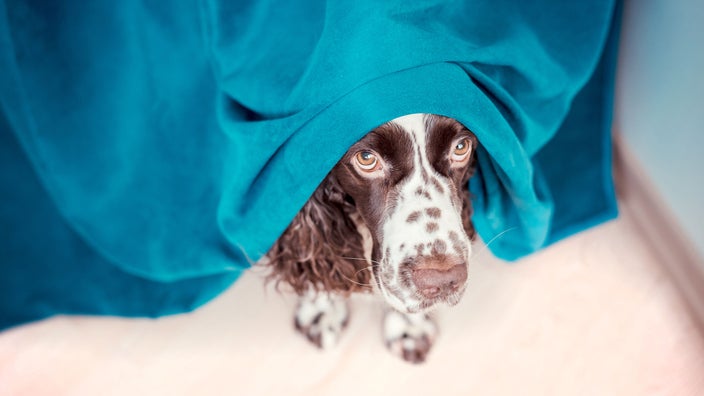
pixel 393 217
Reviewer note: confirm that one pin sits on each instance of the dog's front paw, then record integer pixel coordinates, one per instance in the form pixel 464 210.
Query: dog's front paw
pixel 321 318
pixel 409 336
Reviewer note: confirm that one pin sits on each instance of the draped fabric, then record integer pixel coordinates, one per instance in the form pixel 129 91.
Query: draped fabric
pixel 151 151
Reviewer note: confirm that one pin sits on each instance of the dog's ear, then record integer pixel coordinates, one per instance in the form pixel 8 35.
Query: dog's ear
pixel 321 249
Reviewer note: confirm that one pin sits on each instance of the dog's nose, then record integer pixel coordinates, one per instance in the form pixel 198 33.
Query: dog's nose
pixel 439 276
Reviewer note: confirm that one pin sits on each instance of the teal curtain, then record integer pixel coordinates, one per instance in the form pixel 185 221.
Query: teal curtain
pixel 151 151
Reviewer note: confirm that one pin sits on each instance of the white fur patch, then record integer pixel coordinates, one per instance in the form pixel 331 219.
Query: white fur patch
pixel 409 336
pixel 322 317
pixel 425 197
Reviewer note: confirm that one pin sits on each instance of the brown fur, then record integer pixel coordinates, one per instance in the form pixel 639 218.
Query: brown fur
pixel 321 248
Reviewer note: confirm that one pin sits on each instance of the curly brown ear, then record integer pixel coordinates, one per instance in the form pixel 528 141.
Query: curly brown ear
pixel 321 249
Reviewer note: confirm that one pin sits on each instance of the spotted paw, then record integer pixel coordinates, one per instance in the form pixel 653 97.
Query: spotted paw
pixel 321 318
pixel 409 336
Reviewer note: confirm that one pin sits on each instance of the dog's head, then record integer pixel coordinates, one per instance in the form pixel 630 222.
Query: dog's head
pixel 405 186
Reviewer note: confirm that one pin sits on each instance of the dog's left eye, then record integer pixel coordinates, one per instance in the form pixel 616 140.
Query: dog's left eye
pixel 367 161
pixel 461 150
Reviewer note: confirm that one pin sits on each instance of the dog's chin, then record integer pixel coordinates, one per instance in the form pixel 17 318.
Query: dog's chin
pixel 428 304
pixel 417 305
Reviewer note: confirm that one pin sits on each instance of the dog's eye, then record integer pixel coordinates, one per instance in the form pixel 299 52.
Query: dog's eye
pixel 367 161
pixel 461 150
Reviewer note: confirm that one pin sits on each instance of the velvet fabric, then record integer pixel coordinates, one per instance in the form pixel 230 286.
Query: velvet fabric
pixel 151 151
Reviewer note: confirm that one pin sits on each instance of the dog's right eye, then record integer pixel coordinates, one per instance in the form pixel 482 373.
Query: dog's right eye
pixel 366 161
pixel 460 153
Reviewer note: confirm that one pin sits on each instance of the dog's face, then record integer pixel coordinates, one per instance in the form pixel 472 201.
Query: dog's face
pixel 408 181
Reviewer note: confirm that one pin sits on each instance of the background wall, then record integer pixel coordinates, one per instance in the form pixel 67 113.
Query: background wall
pixel 660 102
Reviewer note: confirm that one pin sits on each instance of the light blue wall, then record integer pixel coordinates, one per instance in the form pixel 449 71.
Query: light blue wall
pixel 660 102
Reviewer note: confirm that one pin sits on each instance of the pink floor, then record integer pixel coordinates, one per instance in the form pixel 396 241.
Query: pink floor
pixel 593 315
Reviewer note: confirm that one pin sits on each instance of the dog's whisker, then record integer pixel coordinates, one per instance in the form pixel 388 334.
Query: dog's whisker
pixel 485 248
pixel 366 268
pixel 369 268
pixel 361 259
pixel 355 282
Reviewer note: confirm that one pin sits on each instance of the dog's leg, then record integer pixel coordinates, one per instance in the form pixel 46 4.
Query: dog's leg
pixel 321 317
pixel 409 336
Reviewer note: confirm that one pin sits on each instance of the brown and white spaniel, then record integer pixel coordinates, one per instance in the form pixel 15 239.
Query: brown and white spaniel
pixel 393 217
